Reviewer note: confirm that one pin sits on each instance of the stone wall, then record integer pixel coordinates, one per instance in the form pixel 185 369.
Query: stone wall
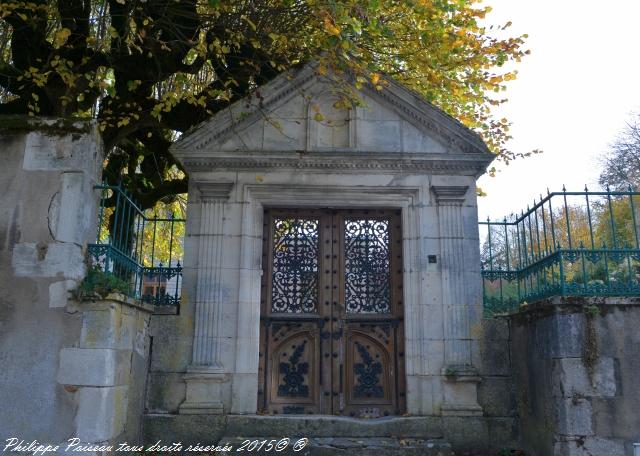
pixel 48 215
pixel 576 365
pixel 172 337
pixel 69 369
pixel 496 390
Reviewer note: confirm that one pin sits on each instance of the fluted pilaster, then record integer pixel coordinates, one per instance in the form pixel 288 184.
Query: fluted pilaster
pixel 208 299
pixel 460 395
pixel 450 200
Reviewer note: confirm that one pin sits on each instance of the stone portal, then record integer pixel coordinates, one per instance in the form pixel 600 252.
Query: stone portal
pixel 390 184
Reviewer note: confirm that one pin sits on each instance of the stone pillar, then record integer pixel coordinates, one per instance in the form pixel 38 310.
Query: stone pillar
pixel 107 369
pixel 460 387
pixel 206 374
pixel 49 213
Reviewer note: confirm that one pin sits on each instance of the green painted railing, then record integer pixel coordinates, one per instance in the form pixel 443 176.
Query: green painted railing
pixel 567 244
pixel 138 253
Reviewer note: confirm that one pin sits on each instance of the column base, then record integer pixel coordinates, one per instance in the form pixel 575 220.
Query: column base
pixel 461 410
pixel 461 391
pixel 201 408
pixel 204 391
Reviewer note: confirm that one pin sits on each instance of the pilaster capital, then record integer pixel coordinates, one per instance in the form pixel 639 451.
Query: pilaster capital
pixel 214 191
pixel 450 194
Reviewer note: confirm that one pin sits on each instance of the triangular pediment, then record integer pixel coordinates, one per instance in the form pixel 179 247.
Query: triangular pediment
pixel 297 112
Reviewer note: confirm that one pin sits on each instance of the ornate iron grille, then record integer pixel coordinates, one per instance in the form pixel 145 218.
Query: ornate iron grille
pixel 294 285
pixel 367 275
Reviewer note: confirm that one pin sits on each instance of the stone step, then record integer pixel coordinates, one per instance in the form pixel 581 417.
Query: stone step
pixel 351 446
pixel 195 428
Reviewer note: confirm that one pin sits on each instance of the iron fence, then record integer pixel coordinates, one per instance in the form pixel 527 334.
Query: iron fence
pixel 567 244
pixel 137 252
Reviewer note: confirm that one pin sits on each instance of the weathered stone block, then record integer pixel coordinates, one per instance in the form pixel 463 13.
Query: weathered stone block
pixel 425 392
pixel 284 134
pixel 71 212
pixel 136 392
pixel 460 397
pixel 571 377
pixel 70 152
pixel 166 391
pixel 416 141
pixel 560 336
pixel 141 341
pixel 185 428
pixel 495 328
pixel 574 417
pixel 466 433
pixel 244 390
pixel 59 293
pixel 432 317
pixel 204 391
pixel 496 357
pixel 496 396
pixel 590 446
pixel 433 356
pixel 48 260
pixel 94 366
pixel 103 327
pixel 171 354
pixel 250 139
pixel 503 432
pixel 101 413
pixel 383 135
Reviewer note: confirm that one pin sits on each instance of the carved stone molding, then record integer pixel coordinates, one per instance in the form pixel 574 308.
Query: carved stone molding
pixel 470 165
pixel 203 393
pixel 214 191
pixel 450 194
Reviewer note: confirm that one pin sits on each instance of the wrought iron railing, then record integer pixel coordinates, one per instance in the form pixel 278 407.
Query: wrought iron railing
pixel 138 253
pixel 567 244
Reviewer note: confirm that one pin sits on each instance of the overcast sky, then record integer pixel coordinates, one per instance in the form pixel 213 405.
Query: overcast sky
pixel 573 95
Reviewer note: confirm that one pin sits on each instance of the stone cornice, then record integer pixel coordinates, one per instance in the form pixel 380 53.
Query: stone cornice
pixel 465 164
pixel 214 191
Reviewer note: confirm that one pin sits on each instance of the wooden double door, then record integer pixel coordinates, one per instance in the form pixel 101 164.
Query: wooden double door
pixel 331 339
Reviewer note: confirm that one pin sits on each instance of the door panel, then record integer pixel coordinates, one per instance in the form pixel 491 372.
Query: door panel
pixel 332 330
pixel 369 376
pixel 293 372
